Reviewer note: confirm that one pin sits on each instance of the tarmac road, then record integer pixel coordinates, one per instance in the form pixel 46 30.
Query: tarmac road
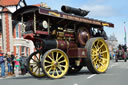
pixel 117 74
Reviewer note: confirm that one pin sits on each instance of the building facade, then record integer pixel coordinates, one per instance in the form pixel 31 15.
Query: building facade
pixel 11 39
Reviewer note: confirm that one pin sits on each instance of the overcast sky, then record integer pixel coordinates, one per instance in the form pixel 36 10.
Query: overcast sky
pixel 115 11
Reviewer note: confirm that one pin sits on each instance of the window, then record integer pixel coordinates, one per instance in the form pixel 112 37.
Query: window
pixel 17 31
pixel 22 49
pixel 21 30
pixel 27 51
pixel 18 50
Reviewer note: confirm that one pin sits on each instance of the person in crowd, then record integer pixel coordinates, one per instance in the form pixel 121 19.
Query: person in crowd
pixel 2 64
pixel 13 63
pixel 9 63
pixel 23 64
pixel 17 65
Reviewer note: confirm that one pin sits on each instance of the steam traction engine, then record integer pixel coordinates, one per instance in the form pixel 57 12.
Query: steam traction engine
pixel 64 42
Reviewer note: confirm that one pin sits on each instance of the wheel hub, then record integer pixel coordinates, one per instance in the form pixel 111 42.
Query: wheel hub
pixel 39 64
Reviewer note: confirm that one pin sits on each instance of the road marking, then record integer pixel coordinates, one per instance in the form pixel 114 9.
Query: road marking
pixel 114 64
pixel 75 84
pixel 91 76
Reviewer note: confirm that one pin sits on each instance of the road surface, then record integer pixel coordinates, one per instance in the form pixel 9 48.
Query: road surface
pixel 117 74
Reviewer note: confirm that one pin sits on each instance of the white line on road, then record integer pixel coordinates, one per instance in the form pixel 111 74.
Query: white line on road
pixel 115 64
pixel 75 84
pixel 91 76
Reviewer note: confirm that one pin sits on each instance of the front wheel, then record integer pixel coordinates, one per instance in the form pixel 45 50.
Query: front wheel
pixel 55 63
pixel 98 56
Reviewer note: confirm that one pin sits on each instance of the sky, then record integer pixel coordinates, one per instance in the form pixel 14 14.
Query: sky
pixel 114 11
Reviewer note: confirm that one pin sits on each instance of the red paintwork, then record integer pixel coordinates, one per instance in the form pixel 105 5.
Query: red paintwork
pixel 41 32
pixel 29 36
pixel 62 44
pixel 77 53
pixel 69 35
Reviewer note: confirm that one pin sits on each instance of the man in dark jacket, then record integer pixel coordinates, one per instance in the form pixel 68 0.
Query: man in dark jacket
pixel 13 63
pixel 23 64
pixel 2 64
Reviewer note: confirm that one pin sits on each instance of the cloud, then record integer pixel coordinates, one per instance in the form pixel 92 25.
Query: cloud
pixel 99 10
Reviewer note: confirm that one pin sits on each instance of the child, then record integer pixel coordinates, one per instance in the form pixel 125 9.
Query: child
pixel 17 65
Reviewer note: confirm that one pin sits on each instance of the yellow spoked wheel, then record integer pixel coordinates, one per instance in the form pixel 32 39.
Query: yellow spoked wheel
pixel 34 64
pixel 97 55
pixel 55 63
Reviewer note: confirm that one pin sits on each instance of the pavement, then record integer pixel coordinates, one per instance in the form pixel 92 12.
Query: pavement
pixel 117 74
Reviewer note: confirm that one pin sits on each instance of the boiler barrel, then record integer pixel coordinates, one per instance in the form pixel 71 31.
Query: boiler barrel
pixel 60 44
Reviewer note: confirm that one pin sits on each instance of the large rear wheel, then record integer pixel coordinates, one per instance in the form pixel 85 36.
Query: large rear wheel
pixel 55 63
pixel 97 55
pixel 34 64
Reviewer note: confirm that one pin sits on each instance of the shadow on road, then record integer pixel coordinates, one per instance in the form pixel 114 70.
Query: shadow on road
pixel 82 72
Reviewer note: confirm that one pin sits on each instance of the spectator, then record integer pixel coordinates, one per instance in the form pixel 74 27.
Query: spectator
pixel 23 64
pixel 13 63
pixel 2 64
pixel 17 65
pixel 9 63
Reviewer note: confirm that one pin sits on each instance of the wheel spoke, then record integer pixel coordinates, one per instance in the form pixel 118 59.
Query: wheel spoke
pixel 53 56
pixel 62 61
pixel 104 60
pixel 49 70
pixel 103 52
pixel 36 57
pixel 59 57
pixel 47 61
pixel 35 66
pixel 50 58
pixel 36 69
pixel 95 55
pixel 34 60
pixel 93 51
pixel 94 59
pixel 95 47
pixel 53 72
pixel 39 71
pixel 95 62
pixel 97 43
pixel 60 68
pixel 101 46
pixel 48 66
pixel 57 72
pixel 39 57
pixel 97 66
pixel 101 64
